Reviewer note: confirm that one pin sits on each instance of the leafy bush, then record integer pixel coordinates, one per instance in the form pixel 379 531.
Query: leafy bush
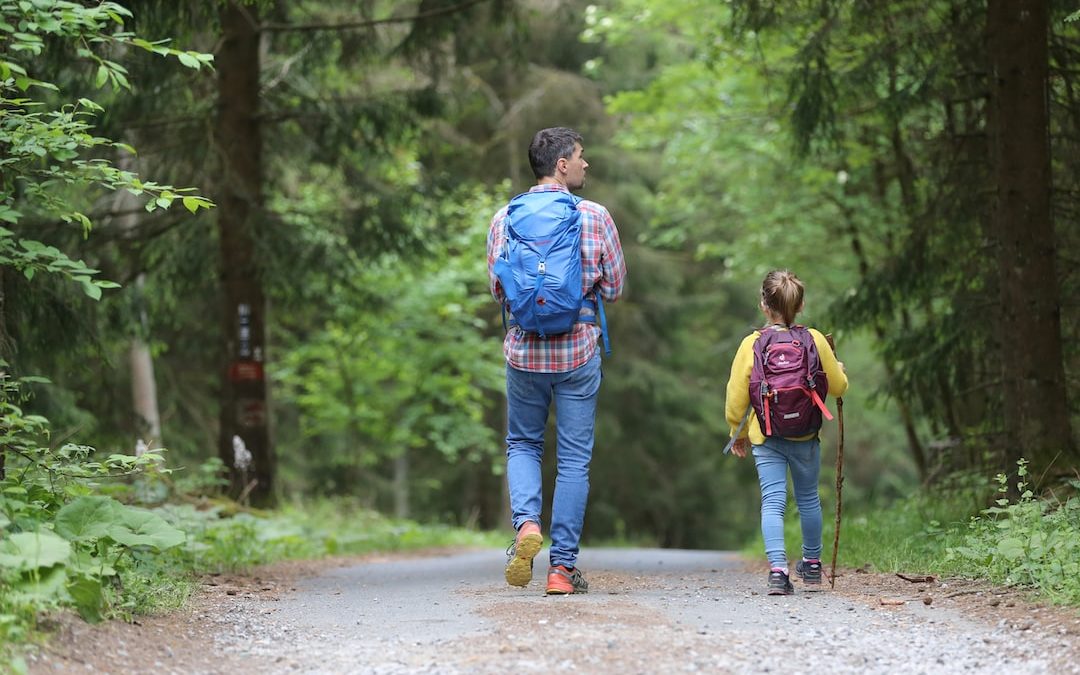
pixel 63 545
pixel 1027 542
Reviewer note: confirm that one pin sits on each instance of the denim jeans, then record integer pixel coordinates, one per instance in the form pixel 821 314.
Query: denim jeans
pixel 529 396
pixel 773 458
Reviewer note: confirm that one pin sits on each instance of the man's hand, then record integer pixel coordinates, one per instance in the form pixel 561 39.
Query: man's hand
pixel 739 447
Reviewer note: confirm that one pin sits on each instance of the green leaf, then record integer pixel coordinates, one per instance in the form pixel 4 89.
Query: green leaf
pixel 33 550
pixel 189 60
pixel 90 105
pixel 143 528
pixel 87 596
pixel 193 203
pixel 1011 548
pixel 86 564
pixel 91 289
pixel 102 76
pixel 88 518
pixel 41 586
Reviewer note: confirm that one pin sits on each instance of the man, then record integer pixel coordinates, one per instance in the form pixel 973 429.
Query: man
pixel 562 367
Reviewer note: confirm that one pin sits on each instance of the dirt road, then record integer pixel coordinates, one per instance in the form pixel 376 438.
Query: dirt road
pixel 648 611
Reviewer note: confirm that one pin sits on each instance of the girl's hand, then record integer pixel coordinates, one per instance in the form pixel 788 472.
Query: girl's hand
pixel 739 447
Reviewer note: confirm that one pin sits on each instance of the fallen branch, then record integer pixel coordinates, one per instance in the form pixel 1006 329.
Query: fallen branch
pixel 916 580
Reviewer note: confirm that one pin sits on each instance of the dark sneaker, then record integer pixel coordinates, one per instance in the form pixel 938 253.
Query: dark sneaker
pixel 563 581
pixel 519 557
pixel 809 571
pixel 779 583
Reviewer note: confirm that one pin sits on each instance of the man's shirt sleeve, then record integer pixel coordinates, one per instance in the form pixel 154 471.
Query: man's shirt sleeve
pixel 494 249
pixel 612 261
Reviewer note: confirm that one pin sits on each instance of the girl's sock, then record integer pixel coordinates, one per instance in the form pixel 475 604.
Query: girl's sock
pixel 780 569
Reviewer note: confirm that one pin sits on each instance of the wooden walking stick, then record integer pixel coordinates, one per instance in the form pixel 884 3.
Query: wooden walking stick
pixel 839 472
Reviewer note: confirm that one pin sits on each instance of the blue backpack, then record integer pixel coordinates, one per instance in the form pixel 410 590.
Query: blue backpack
pixel 540 265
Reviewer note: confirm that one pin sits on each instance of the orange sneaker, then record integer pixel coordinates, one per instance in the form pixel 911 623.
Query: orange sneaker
pixel 563 581
pixel 519 557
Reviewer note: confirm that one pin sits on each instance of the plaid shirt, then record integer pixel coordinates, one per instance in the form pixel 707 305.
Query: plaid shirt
pixel 602 268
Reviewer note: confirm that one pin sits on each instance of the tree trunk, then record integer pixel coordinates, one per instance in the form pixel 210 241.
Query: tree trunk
pixel 401 485
pixel 144 403
pixel 143 385
pixel 1035 410
pixel 244 395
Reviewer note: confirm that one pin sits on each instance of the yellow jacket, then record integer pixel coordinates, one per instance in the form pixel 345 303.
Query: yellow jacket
pixel 738 387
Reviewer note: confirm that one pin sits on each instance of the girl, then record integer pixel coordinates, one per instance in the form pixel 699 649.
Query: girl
pixel 775 454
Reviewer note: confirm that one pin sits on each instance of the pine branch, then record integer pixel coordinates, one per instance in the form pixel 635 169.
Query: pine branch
pixel 366 23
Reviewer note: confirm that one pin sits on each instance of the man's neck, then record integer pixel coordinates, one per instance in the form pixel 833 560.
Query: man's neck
pixel 551 180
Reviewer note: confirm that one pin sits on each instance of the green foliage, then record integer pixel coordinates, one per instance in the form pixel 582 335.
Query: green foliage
pixel 49 146
pixel 819 137
pixel 63 546
pixel 65 542
pixel 1028 542
pixel 401 363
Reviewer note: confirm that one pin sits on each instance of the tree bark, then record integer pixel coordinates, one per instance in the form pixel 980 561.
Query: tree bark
pixel 143 384
pixel 244 392
pixel 401 485
pixel 144 401
pixel 1035 411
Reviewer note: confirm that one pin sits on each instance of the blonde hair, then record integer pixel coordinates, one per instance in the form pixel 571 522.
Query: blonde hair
pixel 782 294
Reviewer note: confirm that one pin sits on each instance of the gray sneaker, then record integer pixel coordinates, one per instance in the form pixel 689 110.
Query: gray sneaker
pixel 780 583
pixel 809 571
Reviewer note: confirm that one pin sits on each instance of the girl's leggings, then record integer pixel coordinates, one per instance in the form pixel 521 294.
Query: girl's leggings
pixel 773 459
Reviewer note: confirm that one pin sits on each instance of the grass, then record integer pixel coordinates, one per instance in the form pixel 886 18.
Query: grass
pixel 304 530
pixel 911 535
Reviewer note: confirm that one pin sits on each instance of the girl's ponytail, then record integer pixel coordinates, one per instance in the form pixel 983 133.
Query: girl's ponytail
pixel 782 294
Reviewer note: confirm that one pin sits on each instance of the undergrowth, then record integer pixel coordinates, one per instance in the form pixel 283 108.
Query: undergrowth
pixel 117 535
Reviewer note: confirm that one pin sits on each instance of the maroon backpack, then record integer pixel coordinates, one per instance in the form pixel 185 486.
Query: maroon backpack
pixel 787 384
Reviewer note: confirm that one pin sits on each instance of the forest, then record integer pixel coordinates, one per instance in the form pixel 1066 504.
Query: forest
pixel 242 248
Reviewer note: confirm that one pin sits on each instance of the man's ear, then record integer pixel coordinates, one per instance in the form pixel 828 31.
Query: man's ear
pixel 560 165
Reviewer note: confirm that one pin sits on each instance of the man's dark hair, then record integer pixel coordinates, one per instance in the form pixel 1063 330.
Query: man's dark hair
pixel 548 147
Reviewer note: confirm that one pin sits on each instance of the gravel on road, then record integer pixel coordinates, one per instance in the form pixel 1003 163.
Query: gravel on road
pixel 648 611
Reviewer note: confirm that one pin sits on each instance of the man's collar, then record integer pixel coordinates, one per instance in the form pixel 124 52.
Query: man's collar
pixel 549 187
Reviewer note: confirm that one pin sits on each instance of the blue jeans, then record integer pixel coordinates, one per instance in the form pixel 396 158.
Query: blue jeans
pixel 773 458
pixel 528 397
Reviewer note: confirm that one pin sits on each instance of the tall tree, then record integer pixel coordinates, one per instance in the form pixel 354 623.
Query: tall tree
pixel 245 423
pixel 1035 411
